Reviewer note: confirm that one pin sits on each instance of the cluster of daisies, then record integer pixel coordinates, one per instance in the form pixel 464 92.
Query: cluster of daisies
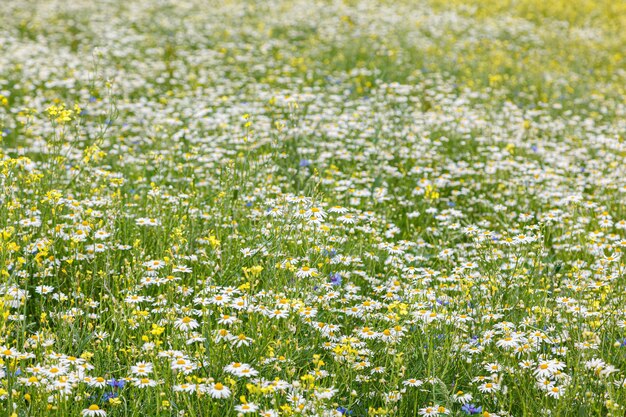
pixel 293 208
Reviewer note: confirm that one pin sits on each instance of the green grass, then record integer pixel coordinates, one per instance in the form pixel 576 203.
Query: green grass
pixel 379 207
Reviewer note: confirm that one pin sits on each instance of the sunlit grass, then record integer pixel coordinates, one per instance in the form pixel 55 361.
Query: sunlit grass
pixel 357 208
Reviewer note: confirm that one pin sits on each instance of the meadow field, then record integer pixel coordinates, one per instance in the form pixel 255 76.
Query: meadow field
pixel 312 208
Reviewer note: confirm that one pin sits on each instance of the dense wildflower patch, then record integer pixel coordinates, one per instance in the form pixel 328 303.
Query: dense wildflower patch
pixel 328 208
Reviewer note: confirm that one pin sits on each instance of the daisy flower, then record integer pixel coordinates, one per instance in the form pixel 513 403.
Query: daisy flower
pixel 93 411
pixel 186 323
pixel 218 390
pixel 413 382
pixel 247 408
pixel 306 272
pixel 145 382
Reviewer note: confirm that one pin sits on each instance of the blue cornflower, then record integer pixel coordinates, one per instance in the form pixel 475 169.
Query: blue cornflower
pixel 108 395
pixel 472 409
pixel 335 279
pixel 116 383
